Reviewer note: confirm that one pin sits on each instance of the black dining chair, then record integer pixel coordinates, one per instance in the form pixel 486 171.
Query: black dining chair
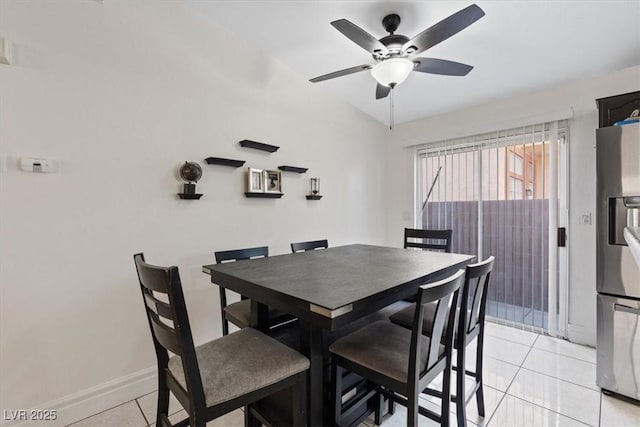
pixel 403 362
pixel 309 246
pixel 435 240
pixel 239 313
pixel 429 239
pixel 219 376
pixel 470 321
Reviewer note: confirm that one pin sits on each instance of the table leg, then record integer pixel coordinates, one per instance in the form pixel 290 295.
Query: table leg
pixel 259 316
pixel 312 346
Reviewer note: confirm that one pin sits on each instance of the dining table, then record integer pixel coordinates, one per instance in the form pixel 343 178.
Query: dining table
pixel 329 289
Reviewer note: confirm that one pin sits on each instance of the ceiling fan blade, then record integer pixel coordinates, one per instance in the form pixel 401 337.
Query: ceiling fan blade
pixel 359 36
pixel 340 73
pixel 444 29
pixel 441 66
pixel 382 91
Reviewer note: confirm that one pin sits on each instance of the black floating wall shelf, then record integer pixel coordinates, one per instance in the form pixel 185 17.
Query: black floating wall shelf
pixel 224 162
pixel 293 169
pixel 258 146
pixel 187 196
pixel 264 195
pixel 314 197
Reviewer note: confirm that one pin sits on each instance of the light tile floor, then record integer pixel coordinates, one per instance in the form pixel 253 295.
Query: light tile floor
pixel 530 380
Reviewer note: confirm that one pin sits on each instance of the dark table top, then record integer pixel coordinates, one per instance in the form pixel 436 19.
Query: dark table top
pixel 336 277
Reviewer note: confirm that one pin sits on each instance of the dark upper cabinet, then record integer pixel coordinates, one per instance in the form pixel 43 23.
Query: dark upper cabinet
pixel 615 108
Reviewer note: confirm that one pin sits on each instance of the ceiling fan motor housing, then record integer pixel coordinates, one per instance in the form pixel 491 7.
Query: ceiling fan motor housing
pixel 391 23
pixel 393 42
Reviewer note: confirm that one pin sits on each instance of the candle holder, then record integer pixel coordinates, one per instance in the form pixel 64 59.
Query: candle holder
pixel 315 190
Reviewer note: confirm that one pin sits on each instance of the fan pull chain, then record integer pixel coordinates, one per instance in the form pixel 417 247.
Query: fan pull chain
pixel 391 110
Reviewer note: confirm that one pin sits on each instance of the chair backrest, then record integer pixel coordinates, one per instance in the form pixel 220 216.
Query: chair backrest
pixel 427 239
pixel 445 292
pixel 309 246
pixel 241 254
pixel 169 324
pixel 232 256
pixel 474 297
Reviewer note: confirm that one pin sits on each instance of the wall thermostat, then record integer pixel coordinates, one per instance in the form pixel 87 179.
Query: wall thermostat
pixel 32 164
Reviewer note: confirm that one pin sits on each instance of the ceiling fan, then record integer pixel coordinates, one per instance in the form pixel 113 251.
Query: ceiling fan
pixel 395 54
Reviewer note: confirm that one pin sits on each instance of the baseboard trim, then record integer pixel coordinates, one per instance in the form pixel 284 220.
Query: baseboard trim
pixel 80 405
pixel 581 335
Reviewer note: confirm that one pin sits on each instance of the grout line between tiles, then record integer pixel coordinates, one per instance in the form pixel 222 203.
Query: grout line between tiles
pixel 560 379
pixel 98 413
pixel 550 410
pixel 506 391
pixel 600 412
pixel 497 406
pixel 565 355
pixel 143 415
pixel 507 339
pixel 502 361
pixel 511 341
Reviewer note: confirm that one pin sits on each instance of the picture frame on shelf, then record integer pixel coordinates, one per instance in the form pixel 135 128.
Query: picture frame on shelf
pixel 255 180
pixel 272 181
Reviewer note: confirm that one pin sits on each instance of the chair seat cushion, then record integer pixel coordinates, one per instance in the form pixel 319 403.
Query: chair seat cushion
pixel 382 347
pixel 239 313
pixel 240 363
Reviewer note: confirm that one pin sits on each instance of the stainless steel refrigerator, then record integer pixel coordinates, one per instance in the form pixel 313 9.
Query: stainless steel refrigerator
pixel 618 259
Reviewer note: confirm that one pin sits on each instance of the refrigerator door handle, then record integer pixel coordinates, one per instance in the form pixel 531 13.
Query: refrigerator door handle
pixel 626 309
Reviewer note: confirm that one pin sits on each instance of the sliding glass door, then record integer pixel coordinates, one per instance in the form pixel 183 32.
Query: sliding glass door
pixel 500 196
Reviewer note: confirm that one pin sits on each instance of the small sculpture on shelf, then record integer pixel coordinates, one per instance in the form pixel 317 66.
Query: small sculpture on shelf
pixel 315 190
pixel 190 172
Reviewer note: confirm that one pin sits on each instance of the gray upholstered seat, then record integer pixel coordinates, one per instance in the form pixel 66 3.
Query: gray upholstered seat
pixel 239 313
pixel 240 363
pixel 382 347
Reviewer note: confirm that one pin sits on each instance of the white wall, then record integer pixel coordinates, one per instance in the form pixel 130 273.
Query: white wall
pixel 574 98
pixel 122 93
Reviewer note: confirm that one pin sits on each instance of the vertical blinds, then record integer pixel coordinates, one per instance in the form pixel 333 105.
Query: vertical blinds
pixel 493 190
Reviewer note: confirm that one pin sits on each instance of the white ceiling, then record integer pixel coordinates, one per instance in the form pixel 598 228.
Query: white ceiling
pixel 518 47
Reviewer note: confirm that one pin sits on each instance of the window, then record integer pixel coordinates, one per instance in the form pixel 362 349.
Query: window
pixel 515 164
pixel 515 188
pixel 520 171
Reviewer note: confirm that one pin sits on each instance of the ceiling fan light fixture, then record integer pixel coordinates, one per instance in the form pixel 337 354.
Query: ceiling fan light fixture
pixel 392 72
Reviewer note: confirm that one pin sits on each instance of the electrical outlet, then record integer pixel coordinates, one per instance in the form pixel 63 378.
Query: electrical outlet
pixel 585 218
